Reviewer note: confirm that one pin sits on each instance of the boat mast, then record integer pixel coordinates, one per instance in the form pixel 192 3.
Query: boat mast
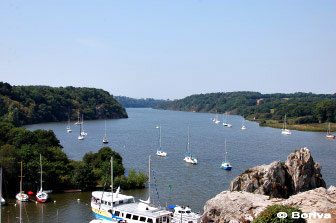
pixel 111 182
pixel 149 179
pixel 225 151
pixel 160 137
pixel 41 171
pixel 0 191
pixel 105 129
pixel 189 151
pixel 21 195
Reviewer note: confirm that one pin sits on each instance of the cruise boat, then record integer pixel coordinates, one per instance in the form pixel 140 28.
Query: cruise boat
pixel 116 207
pixel 284 130
pixel 329 135
pixel 41 196
pixel 184 215
pixel 189 158
pixel 159 152
pixel 21 196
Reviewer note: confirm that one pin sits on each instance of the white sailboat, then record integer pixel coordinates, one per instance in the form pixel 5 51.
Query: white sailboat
pixel 226 164
pixel 225 120
pixel 83 133
pixel 243 125
pixel 68 127
pixel 284 130
pixel 329 135
pixel 21 196
pixel 41 196
pixel 2 200
pixel 159 151
pixel 105 140
pixel 189 158
pixel 217 120
pixel 80 137
pixel 78 121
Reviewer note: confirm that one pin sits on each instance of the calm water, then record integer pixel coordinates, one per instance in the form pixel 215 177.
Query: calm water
pixel 136 137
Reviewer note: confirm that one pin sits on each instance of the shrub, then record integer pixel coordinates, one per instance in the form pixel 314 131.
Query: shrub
pixel 269 215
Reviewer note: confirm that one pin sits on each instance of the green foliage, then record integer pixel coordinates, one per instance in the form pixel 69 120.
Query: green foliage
pixel 19 144
pixel 269 215
pixel 22 105
pixel 137 103
pixel 134 180
pixel 300 107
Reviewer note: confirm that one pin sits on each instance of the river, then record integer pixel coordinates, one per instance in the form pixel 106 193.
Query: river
pixel 136 138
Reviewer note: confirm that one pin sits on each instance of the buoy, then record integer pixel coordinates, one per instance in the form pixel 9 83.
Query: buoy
pixel 55 201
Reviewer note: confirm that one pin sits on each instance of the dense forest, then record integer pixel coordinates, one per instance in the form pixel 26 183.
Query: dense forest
pixel 19 144
pixel 300 107
pixel 138 103
pixel 22 105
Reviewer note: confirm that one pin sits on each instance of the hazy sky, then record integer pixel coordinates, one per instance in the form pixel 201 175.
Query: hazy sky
pixel 170 48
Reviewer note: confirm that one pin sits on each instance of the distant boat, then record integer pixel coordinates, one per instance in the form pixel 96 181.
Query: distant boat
pixel 105 141
pixel 41 196
pixel 226 164
pixel 284 130
pixel 189 158
pixel 21 196
pixel 159 152
pixel 225 120
pixel 80 137
pixel 68 127
pixel 2 200
pixel 329 135
pixel 217 120
pixel 78 121
pixel 243 126
pixel 83 133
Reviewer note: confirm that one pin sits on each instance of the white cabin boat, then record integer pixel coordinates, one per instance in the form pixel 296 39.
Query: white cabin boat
pixel 184 215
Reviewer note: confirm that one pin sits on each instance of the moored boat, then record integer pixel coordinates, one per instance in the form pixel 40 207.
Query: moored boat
pixel 160 152
pixel 284 130
pixel 41 196
pixel 21 196
pixel 184 215
pixel 189 158
pixel 329 135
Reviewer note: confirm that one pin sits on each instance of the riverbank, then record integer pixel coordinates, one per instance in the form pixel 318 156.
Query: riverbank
pixel 312 127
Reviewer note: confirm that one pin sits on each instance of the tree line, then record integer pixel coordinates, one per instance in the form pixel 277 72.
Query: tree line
pixel 21 105
pixel 300 107
pixel 138 103
pixel 19 144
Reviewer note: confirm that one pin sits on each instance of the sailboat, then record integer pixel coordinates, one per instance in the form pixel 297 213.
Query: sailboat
pixel 217 120
pixel 159 152
pixel 68 127
pixel 105 141
pixel 284 130
pixel 21 196
pixel 243 126
pixel 329 135
pixel 78 121
pixel 83 133
pixel 225 121
pixel 41 196
pixel 80 137
pixel 2 200
pixel 189 158
pixel 226 164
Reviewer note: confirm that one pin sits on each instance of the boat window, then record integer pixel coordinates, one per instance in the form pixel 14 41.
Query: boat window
pixel 164 219
pixel 150 220
pixel 120 202
pixel 135 217
pixel 142 219
pixel 128 216
pixel 109 203
pixel 116 213
pixel 188 212
pixel 114 202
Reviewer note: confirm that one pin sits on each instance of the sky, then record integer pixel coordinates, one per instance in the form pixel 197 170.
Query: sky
pixel 170 48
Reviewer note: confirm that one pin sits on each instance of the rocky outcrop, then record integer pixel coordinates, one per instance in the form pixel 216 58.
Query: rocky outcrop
pixel 235 207
pixel 299 173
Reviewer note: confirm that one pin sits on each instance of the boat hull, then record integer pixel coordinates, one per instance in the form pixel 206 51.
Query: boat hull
pixel 330 136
